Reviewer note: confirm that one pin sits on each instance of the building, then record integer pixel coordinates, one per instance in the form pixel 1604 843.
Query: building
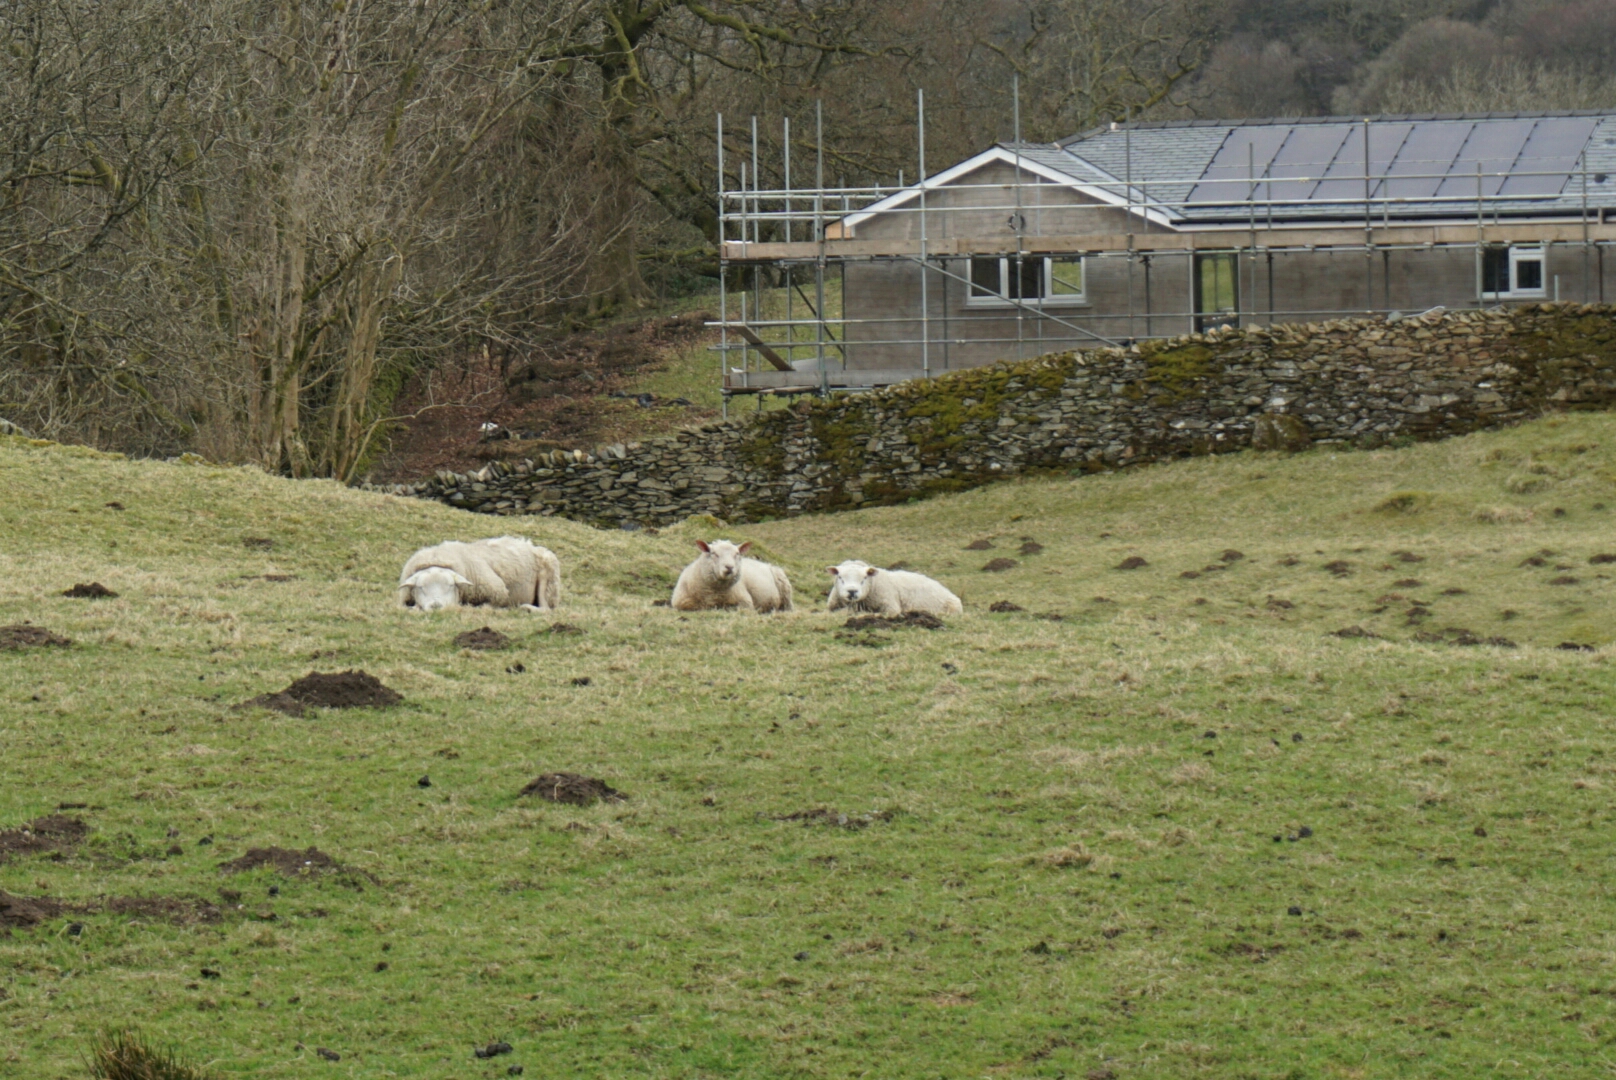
pixel 1145 230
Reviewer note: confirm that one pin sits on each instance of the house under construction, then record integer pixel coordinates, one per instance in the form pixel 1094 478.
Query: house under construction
pixel 1143 230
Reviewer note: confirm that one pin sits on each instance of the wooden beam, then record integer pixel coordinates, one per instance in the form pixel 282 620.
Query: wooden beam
pixel 761 346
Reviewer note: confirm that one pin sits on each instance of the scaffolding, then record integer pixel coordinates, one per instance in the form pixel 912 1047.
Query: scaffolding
pixel 800 237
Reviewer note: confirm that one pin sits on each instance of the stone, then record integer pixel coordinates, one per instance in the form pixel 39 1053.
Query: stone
pixel 1280 431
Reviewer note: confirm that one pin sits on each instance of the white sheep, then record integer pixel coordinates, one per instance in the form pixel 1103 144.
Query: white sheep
pixel 858 586
pixel 721 577
pixel 508 571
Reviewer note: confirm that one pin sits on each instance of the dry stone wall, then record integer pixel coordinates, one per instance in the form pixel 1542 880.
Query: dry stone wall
pixel 1346 383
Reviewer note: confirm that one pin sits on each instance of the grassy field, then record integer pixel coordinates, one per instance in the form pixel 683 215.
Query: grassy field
pixel 1182 831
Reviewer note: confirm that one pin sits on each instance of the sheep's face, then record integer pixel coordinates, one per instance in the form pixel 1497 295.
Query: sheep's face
pixel 723 560
pixel 432 589
pixel 851 580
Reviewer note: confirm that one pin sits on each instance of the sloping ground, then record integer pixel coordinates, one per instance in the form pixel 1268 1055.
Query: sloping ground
pixel 1181 831
pixel 626 382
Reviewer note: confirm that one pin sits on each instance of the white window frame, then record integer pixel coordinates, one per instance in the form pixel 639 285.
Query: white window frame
pixel 1518 254
pixel 1047 300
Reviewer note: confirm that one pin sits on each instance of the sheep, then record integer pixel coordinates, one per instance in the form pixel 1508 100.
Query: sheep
pixel 858 586
pixel 508 571
pixel 721 577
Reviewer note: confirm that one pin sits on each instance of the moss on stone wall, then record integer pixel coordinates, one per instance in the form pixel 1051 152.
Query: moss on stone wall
pixel 1176 372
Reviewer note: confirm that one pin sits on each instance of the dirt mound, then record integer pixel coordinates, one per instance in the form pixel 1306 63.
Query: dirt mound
pixel 176 909
pixel 562 628
pixel 1458 635
pixel 823 816
pixel 1354 632
pixel 572 789
pixel 1231 555
pixel 341 690
pixel 1600 560
pixel 25 911
pixel 24 636
pixel 1001 607
pixel 93 591
pixel 1132 562
pixel 54 832
pixel 894 622
pixel 979 545
pixel 485 638
pixel 286 861
pixel 995 566
pixel 1030 547
pixel 257 543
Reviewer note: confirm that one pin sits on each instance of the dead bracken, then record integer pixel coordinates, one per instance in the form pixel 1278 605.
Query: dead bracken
pixel 342 690
pixel 572 788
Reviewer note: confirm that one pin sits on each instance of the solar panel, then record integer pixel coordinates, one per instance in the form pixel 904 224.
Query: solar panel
pixel 1492 147
pixel 1551 150
pixel 1322 165
pixel 1344 179
pixel 1245 153
pixel 1423 160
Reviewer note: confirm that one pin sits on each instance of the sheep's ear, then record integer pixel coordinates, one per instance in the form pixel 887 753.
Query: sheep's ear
pixel 833 570
pixel 412 581
pixel 743 547
pixel 703 545
pixel 459 580
pixel 871 571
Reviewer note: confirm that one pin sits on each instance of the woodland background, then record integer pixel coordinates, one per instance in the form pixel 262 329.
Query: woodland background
pixel 239 227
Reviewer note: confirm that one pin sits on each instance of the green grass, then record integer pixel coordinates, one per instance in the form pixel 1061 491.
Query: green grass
pixel 1049 868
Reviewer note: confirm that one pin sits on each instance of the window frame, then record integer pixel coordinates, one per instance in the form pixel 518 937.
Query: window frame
pixel 1046 300
pixel 1519 253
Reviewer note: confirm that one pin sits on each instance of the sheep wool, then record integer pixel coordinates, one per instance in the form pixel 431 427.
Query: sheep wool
pixel 507 571
pixel 722 577
pixel 859 586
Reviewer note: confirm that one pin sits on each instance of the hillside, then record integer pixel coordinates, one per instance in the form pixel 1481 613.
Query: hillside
pixel 1181 830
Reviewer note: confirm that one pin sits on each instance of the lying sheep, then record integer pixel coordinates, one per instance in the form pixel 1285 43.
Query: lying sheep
pixel 861 587
pixel 721 577
pixel 504 572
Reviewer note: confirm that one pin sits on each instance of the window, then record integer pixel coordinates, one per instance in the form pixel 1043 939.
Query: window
pixel 1040 279
pixel 1217 290
pixel 1508 272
